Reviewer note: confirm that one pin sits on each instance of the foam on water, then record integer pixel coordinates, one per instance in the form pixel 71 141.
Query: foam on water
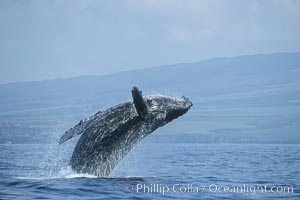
pixel 67 172
pixel 64 172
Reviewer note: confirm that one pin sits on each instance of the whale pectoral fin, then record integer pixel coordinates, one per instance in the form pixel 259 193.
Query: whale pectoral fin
pixel 139 102
pixel 68 135
pixel 80 128
pixel 76 130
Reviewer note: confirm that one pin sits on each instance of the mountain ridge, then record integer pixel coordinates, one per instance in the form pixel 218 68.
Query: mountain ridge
pixel 158 66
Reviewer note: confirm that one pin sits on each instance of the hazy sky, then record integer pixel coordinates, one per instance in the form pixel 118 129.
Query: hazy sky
pixel 46 39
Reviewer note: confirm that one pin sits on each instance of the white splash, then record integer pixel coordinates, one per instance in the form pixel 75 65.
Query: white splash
pixel 67 172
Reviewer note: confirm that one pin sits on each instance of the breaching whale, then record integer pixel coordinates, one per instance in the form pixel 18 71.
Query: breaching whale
pixel 109 135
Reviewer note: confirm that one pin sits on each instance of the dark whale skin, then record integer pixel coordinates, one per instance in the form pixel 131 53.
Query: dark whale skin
pixel 109 135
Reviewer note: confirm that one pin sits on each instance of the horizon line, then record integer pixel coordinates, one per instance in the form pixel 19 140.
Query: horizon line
pixel 146 68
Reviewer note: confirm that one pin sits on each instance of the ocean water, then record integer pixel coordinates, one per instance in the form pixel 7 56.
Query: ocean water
pixel 155 171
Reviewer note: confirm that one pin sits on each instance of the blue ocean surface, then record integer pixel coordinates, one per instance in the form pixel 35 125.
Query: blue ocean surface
pixel 156 171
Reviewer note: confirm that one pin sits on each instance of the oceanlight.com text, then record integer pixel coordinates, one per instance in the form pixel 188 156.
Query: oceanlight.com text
pixel 163 189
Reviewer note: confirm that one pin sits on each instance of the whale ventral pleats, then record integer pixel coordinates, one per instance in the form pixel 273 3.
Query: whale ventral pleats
pixel 139 102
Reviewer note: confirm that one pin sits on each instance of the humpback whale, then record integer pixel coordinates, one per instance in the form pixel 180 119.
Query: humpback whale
pixel 109 135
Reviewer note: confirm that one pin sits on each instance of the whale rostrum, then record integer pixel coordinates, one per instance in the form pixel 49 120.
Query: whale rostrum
pixel 109 135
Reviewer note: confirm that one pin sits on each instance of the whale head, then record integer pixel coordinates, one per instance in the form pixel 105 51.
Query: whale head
pixel 168 108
